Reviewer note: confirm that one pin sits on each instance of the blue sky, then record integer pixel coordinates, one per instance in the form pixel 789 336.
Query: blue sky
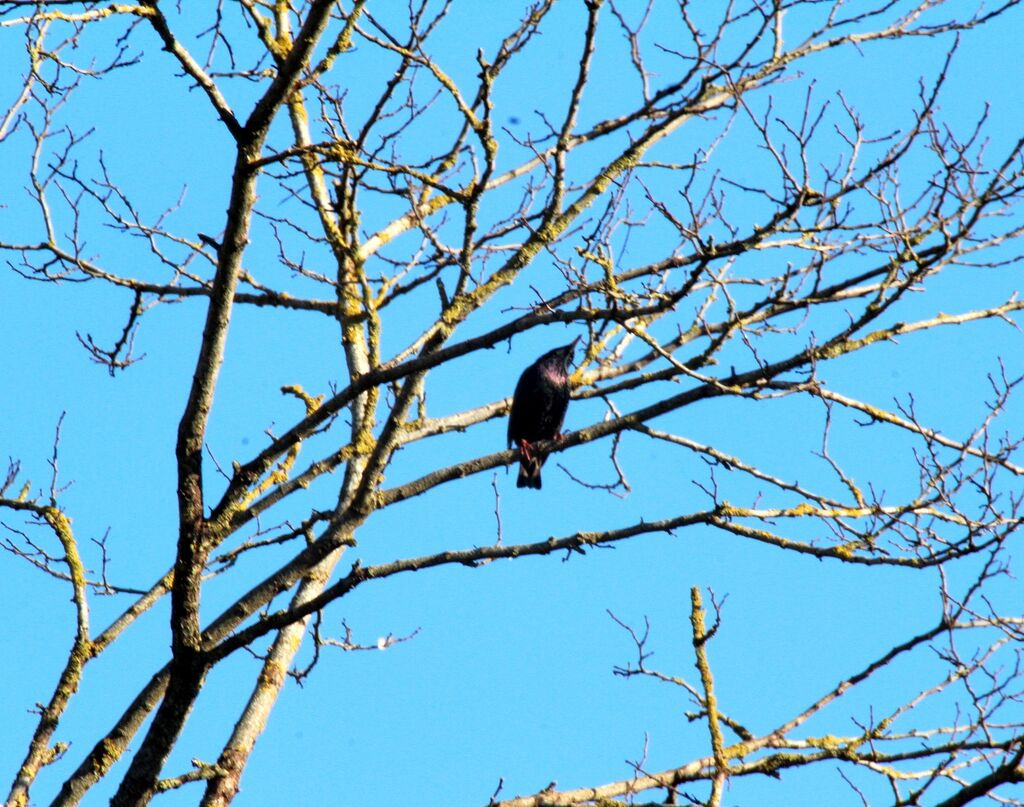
pixel 510 675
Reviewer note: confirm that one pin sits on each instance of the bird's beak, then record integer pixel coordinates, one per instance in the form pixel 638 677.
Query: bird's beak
pixel 570 348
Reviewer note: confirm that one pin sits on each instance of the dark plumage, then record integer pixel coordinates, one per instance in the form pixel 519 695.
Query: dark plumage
pixel 538 409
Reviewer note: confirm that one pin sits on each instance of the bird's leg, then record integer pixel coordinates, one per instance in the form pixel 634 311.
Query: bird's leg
pixel 525 447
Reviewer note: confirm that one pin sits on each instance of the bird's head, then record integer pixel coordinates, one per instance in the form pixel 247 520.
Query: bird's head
pixel 561 356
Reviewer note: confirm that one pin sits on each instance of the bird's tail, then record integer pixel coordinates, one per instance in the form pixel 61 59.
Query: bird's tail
pixel 529 473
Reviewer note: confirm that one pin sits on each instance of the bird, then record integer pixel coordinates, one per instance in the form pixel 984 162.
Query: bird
pixel 538 409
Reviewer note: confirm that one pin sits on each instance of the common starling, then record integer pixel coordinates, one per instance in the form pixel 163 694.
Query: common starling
pixel 538 409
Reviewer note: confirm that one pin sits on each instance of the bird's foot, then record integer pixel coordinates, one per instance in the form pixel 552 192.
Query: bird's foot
pixel 526 448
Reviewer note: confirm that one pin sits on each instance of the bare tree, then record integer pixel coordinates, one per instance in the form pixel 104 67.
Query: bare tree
pixel 407 210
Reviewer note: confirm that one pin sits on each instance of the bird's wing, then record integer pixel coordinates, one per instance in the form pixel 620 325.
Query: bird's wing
pixel 518 416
